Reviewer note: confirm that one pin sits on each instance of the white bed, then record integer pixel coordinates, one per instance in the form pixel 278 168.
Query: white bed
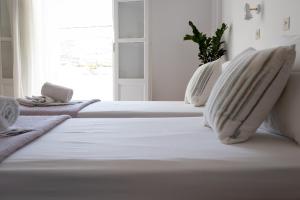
pixel 145 159
pixel 140 109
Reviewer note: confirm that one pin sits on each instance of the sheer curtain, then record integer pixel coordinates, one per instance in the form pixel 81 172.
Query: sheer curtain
pixel 34 44
pixel 22 46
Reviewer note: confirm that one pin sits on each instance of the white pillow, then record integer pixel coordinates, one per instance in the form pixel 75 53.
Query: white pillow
pixel 288 40
pixel 202 82
pixel 246 92
pixel 225 65
pixel 284 118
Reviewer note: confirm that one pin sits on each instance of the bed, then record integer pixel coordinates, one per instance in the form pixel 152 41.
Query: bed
pixel 150 158
pixel 140 109
pixel 117 109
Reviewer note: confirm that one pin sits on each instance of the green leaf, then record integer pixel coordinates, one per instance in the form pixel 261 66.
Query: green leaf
pixel 210 48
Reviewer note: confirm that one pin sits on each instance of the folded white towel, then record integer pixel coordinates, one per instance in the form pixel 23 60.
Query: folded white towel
pixel 40 99
pixel 42 102
pixel 56 92
pixel 35 101
pixel 9 112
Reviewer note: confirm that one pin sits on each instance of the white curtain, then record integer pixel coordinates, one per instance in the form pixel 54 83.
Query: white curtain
pixel 34 45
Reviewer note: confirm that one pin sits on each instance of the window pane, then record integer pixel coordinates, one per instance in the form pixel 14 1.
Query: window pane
pixel 131 60
pixel 131 19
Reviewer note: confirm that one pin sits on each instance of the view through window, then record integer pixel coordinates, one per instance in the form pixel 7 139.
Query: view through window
pixel 85 35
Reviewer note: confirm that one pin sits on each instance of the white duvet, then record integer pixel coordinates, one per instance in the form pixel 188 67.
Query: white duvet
pixel 136 159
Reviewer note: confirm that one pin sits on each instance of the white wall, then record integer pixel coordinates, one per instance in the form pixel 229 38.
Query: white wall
pixel 172 60
pixel 242 34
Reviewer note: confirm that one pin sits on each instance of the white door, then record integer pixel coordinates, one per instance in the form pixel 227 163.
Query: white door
pixel 131 74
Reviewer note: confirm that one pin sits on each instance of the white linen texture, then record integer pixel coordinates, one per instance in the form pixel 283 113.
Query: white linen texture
pixel 246 92
pixel 202 82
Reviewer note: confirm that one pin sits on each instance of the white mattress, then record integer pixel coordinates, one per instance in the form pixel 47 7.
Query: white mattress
pixel 136 159
pixel 139 109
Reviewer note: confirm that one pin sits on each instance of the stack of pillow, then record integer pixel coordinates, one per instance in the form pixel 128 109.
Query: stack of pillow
pixel 240 98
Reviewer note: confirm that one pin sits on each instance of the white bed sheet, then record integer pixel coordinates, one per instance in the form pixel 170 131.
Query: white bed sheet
pixel 140 109
pixel 137 159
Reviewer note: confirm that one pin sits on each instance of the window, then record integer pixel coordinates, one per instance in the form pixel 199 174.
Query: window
pixel 84 34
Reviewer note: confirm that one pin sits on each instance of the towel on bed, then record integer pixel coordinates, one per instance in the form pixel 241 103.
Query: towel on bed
pixel 56 92
pixel 9 112
pixel 42 101
pixel 69 109
pixel 52 95
pixel 36 126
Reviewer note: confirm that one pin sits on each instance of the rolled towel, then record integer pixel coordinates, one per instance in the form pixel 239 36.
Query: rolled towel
pixel 56 92
pixel 9 112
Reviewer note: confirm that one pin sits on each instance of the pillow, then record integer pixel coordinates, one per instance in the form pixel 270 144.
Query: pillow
pixel 288 40
pixel 284 118
pixel 225 65
pixel 202 81
pixel 246 92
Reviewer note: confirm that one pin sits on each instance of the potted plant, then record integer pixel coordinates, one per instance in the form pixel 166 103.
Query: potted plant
pixel 210 48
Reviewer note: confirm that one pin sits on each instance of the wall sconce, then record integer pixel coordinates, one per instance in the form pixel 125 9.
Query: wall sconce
pixel 249 9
